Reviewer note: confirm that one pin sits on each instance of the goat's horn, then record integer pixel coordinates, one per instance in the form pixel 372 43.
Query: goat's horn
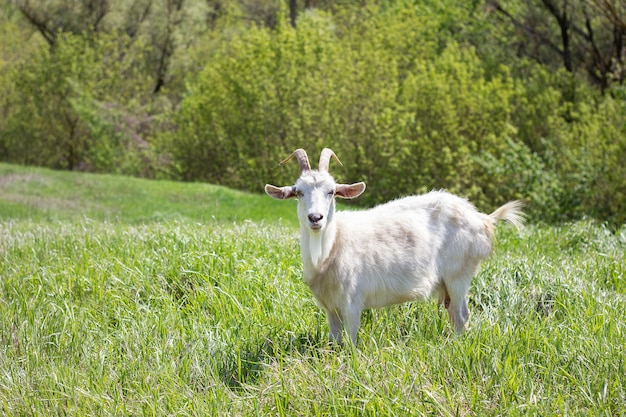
pixel 303 160
pixel 325 159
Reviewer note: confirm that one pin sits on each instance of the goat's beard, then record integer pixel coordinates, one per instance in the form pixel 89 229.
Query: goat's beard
pixel 315 249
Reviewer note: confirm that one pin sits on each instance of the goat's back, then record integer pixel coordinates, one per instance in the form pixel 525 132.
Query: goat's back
pixel 409 244
pixel 438 212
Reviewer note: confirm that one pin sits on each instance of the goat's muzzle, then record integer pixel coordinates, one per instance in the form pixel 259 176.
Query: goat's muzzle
pixel 314 221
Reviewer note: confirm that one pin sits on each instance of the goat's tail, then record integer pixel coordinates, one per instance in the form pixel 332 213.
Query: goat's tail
pixel 510 212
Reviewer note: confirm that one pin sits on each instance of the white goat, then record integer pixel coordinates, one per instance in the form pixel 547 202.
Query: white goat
pixel 400 251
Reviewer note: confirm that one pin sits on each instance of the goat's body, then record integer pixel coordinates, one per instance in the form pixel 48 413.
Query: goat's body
pixel 404 250
pixel 408 249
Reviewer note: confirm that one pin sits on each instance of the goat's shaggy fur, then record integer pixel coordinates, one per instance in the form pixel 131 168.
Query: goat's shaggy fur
pixel 407 249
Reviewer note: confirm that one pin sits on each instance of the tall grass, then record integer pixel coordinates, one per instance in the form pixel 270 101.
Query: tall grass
pixel 196 318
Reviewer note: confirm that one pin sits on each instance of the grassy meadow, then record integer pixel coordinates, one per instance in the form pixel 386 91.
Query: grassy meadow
pixel 41 194
pixel 121 296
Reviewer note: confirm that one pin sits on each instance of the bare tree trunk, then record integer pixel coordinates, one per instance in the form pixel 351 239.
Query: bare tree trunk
pixel 564 25
pixel 293 4
pixel 166 49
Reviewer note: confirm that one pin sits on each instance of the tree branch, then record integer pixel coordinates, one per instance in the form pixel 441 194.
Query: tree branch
pixel 564 26
pixel 528 30
pixel 38 20
pixel 611 12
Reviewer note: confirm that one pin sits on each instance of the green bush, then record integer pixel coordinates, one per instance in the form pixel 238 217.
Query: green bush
pixel 267 93
pixel 580 138
pixel 403 127
pixel 78 106
pixel 412 96
pixel 405 115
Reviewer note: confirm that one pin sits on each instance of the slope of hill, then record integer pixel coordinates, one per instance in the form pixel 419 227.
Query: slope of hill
pixel 36 193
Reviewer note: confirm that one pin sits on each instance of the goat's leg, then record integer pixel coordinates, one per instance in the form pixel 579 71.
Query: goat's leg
pixel 459 314
pixel 334 322
pixel 456 303
pixel 353 321
pixel 444 297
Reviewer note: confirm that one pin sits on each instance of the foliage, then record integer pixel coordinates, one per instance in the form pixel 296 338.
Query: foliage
pixel 165 25
pixel 411 95
pixel 580 138
pixel 78 107
pixel 584 37
pixel 435 118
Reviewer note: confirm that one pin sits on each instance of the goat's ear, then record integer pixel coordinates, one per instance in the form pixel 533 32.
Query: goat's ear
pixel 280 193
pixel 350 190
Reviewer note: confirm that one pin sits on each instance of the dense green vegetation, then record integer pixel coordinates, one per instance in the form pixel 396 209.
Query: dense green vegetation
pixel 114 314
pixel 492 100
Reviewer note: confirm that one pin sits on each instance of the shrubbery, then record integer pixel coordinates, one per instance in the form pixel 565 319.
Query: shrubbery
pixel 398 91
pixel 404 126
pixel 80 106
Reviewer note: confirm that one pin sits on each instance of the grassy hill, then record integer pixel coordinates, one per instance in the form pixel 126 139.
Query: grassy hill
pixel 36 193
pixel 124 297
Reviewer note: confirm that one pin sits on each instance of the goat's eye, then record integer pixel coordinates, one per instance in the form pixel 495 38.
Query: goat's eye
pixel 331 193
pixel 299 193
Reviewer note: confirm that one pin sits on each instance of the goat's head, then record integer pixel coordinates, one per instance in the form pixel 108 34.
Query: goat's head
pixel 315 190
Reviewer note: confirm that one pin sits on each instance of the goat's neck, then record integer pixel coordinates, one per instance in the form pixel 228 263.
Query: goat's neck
pixel 317 246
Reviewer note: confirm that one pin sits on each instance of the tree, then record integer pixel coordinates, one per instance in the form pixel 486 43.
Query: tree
pixel 587 35
pixel 163 24
pixel 75 107
pixel 53 17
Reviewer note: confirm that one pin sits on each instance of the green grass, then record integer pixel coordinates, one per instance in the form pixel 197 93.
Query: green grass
pixel 41 194
pixel 113 313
